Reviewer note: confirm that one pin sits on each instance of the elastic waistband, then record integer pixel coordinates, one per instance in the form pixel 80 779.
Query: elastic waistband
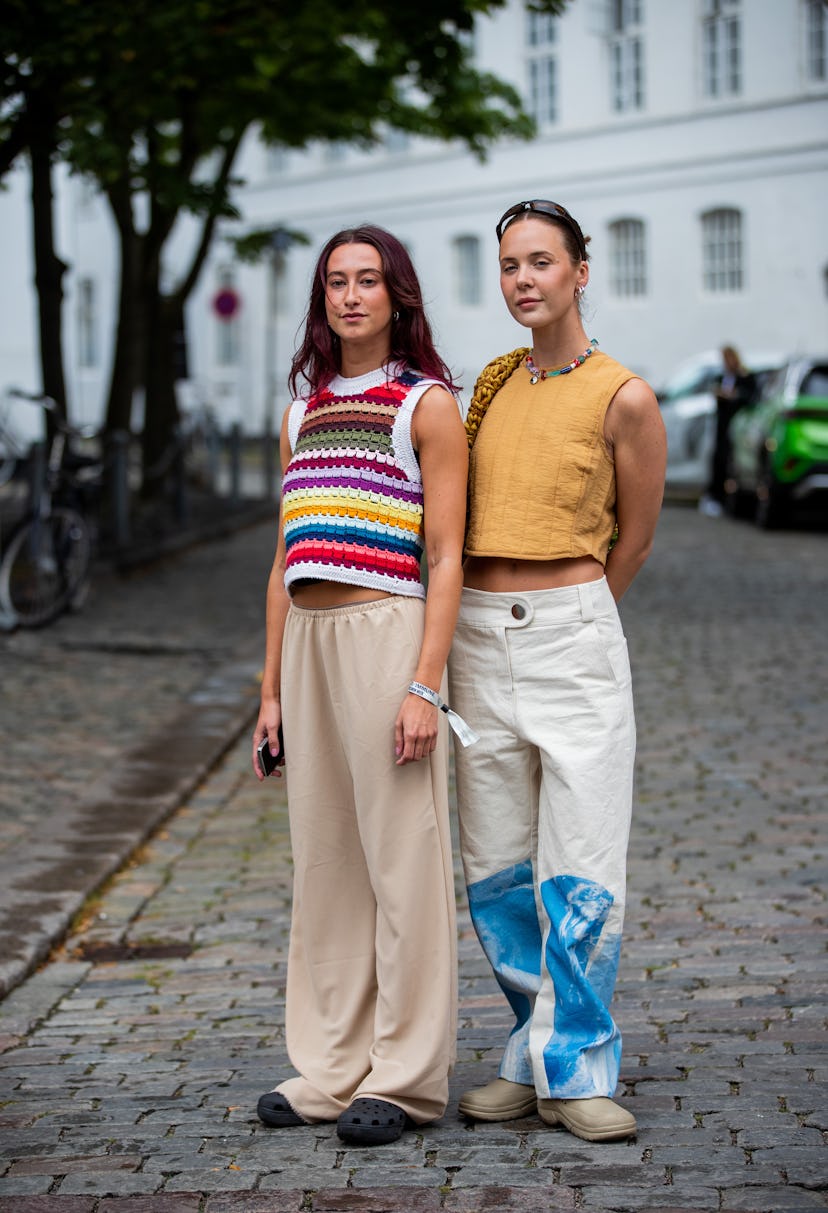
pixel 398 601
pixel 584 602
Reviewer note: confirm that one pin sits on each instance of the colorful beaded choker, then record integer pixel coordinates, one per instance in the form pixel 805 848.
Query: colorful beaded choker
pixel 537 373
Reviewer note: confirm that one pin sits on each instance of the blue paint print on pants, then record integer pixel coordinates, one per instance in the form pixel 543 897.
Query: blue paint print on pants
pixel 505 917
pixel 581 1056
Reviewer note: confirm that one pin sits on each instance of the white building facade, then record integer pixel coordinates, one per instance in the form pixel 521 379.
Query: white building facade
pixel 689 138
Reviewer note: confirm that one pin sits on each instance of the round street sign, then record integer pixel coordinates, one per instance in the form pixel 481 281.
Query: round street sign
pixel 226 303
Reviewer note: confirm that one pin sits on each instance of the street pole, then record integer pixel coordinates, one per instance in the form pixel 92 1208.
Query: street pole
pixel 280 241
pixel 270 380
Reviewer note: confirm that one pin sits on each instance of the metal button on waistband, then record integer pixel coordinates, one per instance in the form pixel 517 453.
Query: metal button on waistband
pixel 518 611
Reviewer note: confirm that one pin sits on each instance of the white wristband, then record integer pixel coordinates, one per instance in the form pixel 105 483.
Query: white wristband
pixel 465 735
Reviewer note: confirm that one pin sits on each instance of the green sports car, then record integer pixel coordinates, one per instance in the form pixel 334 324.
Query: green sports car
pixel 779 446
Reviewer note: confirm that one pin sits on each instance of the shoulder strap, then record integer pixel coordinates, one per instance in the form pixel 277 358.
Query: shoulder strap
pixel 297 410
pixel 490 380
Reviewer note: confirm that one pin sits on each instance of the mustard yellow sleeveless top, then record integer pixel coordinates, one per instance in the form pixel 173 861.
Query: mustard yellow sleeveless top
pixel 542 482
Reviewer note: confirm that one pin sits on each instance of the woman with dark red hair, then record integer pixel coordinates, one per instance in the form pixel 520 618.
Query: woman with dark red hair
pixel 375 464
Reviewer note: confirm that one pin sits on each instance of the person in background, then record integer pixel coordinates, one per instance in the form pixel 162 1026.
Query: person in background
pixel 736 389
pixel 568 456
pixel 375 463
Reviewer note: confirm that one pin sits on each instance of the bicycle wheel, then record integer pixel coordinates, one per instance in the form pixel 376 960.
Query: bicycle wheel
pixel 44 567
pixel 8 463
pixel 10 453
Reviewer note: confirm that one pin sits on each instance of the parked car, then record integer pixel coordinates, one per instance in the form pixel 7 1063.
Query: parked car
pixel 688 407
pixel 779 446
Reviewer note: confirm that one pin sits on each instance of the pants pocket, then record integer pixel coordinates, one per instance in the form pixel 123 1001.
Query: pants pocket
pixel 613 644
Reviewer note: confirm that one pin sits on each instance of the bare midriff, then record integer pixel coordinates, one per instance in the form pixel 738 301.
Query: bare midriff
pixel 503 575
pixel 321 595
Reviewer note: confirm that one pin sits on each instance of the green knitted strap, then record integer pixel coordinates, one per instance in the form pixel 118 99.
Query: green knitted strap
pixel 490 380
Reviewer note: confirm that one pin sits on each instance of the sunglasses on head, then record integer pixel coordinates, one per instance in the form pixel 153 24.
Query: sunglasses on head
pixel 543 208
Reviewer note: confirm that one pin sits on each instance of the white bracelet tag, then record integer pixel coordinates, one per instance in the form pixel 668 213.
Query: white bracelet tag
pixel 465 735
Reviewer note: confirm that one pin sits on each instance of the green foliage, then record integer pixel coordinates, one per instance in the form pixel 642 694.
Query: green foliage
pixel 153 99
pixel 146 93
pixel 254 245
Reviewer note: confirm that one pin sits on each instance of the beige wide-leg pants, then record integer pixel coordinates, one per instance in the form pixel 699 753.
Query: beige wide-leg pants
pixel 372 968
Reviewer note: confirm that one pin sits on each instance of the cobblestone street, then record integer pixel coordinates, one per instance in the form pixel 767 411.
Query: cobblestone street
pixel 133 1057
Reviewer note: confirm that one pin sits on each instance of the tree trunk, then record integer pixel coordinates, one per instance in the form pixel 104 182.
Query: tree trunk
pixel 127 360
pixel 161 407
pixel 49 269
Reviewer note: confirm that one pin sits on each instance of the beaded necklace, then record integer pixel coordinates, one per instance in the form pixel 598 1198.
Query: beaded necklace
pixel 538 373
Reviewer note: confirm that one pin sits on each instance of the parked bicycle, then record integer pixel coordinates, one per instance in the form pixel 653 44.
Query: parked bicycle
pixel 45 565
pixel 12 449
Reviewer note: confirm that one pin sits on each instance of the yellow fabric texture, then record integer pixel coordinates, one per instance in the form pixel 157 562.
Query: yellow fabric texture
pixel 542 481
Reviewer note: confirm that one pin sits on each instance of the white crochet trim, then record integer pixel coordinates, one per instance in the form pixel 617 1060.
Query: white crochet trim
pixel 400 434
pixel 295 418
pixel 361 577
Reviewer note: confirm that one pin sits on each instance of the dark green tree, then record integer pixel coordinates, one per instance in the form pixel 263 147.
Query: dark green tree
pixel 43 63
pixel 155 101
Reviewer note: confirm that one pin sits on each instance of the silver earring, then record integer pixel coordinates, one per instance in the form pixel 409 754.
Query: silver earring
pixel 579 290
pixel 395 315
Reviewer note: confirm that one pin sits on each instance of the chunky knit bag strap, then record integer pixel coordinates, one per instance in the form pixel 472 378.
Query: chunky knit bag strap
pixel 490 380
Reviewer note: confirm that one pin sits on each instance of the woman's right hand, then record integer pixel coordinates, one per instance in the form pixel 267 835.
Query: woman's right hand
pixel 277 603
pixel 270 717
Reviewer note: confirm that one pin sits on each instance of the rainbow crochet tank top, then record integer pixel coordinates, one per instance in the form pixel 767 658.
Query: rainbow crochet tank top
pixel 352 494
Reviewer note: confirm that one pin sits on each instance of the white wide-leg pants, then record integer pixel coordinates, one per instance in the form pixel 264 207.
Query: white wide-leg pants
pixel 545 800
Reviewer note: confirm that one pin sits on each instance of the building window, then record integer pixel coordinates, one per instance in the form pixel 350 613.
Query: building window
pixel 722 48
pixel 540 29
pixel 277 160
pixel 541 38
pixel 335 152
pixel 87 197
pixel 467 270
pixel 816 40
pixel 279 303
pixel 627 55
pixel 87 324
pixel 396 140
pixel 542 102
pixel 722 251
pixel 628 259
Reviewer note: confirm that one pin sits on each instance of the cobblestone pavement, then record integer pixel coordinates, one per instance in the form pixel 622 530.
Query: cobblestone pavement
pixel 111 716
pixel 132 1060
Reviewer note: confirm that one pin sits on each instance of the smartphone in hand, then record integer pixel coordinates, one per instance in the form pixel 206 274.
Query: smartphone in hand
pixel 269 762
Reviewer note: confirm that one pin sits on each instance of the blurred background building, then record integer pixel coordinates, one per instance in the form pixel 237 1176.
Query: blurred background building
pixel 689 137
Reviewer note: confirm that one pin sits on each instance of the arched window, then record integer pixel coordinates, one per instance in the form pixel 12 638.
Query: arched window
pixel 628 258
pixel 722 250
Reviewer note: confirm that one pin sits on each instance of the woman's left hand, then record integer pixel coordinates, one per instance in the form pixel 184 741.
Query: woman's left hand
pixel 415 730
pixel 440 441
